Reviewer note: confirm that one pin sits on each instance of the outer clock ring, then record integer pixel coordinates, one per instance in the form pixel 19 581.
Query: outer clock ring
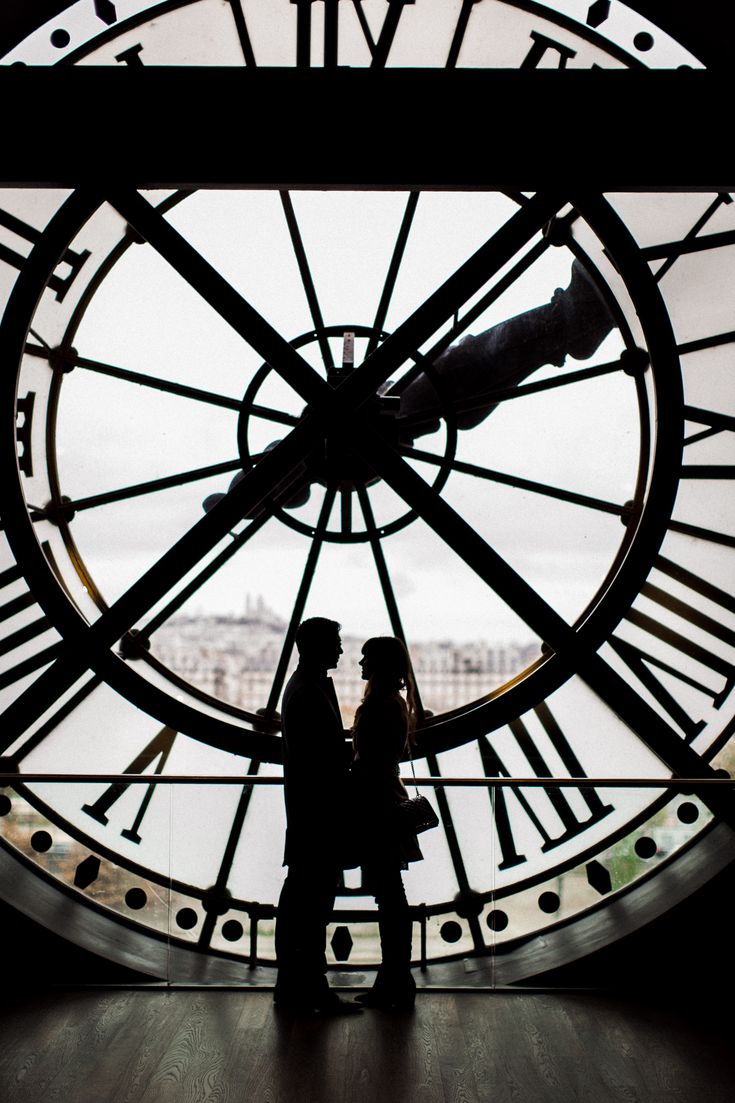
pixel 442 732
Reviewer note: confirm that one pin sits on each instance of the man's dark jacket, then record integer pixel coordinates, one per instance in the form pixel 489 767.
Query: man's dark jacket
pixel 315 761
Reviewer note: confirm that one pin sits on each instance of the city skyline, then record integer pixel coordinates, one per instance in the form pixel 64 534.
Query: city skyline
pixel 235 657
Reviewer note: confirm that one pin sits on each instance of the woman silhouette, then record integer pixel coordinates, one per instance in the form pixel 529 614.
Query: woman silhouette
pixel 382 734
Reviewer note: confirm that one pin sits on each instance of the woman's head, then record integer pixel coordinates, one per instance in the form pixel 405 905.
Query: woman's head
pixel 385 661
pixel 386 668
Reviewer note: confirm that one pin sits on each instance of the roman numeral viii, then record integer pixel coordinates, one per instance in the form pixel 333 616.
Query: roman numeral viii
pixel 555 817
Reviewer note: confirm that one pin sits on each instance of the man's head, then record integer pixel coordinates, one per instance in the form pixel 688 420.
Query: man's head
pixel 318 642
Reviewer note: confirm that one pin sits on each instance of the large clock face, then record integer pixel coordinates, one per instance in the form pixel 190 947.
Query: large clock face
pixel 497 425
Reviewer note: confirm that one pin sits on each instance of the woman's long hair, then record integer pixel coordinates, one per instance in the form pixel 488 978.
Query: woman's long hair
pixel 390 673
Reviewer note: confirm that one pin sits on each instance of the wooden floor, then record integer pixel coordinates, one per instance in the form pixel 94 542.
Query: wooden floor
pixel 197 1045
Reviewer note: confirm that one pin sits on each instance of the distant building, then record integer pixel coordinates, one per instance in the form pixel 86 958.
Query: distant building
pixel 234 658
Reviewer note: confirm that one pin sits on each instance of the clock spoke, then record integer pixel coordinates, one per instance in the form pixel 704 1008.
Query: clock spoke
pixel 384 578
pixel 306 279
pixel 243 34
pixel 66 508
pixel 345 513
pixel 466 896
pixel 300 603
pixel 399 250
pixel 276 469
pixel 217 895
pixel 471 547
pixel 72 359
pixel 268 413
pixel 485 401
pixel 380 564
pixel 516 481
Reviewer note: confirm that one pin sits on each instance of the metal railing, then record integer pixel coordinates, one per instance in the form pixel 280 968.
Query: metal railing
pixel 12 778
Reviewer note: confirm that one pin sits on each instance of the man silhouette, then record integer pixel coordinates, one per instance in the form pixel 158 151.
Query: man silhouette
pixel 315 767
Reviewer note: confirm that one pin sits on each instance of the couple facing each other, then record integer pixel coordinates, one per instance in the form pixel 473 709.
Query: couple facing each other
pixel 341 813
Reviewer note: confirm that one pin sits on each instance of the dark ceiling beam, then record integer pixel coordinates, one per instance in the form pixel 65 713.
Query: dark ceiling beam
pixel 158 127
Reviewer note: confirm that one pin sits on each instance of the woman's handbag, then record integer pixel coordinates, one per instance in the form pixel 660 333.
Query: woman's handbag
pixel 417 814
